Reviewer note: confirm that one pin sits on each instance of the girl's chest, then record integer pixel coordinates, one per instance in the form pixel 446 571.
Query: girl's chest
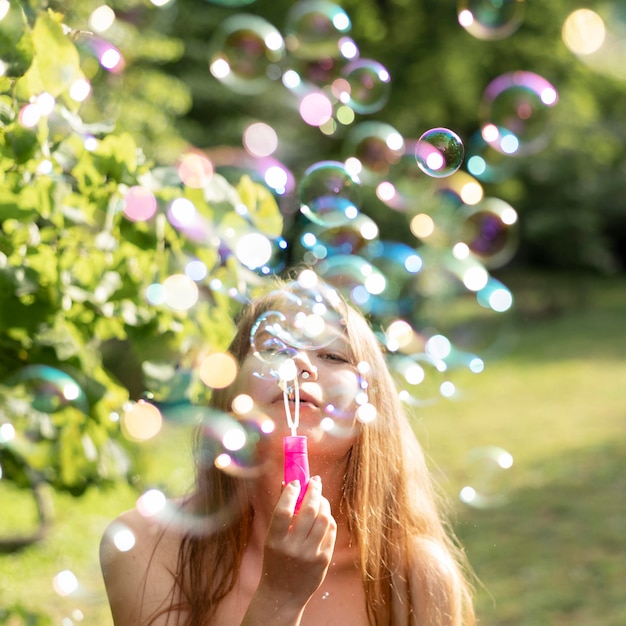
pixel 340 601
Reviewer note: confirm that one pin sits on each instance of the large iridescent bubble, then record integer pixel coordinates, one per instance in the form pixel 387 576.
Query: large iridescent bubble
pixel 329 193
pixel 490 231
pixel 246 53
pixel 490 19
pixel 367 85
pixel 316 242
pixel 373 148
pixel 515 111
pixel 489 471
pixel 49 389
pixel 487 163
pixel 314 29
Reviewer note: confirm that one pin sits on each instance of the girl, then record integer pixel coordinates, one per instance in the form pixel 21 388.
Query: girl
pixel 367 545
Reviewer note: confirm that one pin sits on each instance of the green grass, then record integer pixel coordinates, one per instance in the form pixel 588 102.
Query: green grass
pixel 553 552
pixel 549 550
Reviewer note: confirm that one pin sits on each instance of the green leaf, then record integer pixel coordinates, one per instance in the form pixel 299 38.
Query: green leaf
pixel 63 337
pixel 16 45
pixel 116 157
pixel 7 112
pixel 56 65
pixel 22 144
pixel 263 210
pixel 11 207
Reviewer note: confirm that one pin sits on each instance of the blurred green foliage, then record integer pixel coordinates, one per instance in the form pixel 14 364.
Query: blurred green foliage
pixel 570 197
pixel 78 338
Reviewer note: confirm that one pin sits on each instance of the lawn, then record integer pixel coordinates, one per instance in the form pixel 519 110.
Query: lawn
pixel 546 536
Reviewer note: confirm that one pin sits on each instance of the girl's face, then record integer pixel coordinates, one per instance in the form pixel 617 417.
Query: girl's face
pixel 329 387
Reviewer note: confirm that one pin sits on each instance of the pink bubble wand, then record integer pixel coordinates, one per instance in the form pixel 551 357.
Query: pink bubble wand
pixel 296 460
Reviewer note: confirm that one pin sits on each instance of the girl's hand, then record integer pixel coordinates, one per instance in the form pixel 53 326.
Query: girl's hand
pixel 298 548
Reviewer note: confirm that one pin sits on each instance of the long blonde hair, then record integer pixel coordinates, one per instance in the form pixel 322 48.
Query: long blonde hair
pixel 413 571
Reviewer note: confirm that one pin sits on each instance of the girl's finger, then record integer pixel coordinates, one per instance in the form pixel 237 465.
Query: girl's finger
pixel 283 514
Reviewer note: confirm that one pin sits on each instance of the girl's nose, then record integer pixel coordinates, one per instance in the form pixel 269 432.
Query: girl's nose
pixel 306 369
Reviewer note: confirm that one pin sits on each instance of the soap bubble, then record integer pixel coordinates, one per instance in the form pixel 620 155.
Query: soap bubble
pixel 449 287
pixel 487 163
pixel 49 389
pixel 247 49
pixel 490 231
pixel 439 152
pixel 140 204
pixel 195 170
pixel 229 441
pixel 517 104
pixel 357 279
pixel 307 320
pixel 347 402
pixel 399 263
pixel 366 87
pixel 319 242
pixel 315 28
pixel 269 342
pixel 316 109
pixel 495 296
pixel 375 147
pixel 329 194
pixel 420 378
pixel 234 163
pixel 141 421
pixel 490 19
pixel 489 480
pixel 231 3
pixel 109 57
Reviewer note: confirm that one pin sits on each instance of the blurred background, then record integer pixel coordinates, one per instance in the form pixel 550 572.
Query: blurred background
pixel 456 169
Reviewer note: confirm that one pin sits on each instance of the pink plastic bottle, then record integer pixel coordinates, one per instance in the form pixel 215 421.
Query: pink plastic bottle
pixel 296 463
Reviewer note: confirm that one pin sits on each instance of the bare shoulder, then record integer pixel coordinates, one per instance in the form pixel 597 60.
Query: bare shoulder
pixel 437 582
pixel 138 557
pixel 433 558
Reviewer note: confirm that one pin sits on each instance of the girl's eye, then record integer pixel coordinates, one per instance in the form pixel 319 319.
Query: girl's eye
pixel 272 346
pixel 333 356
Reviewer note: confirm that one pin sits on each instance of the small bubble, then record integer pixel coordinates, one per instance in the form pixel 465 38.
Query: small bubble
pixel 124 539
pixel 218 370
pixel 151 502
pixel 439 152
pixel 65 583
pixel 142 421
pixel 140 204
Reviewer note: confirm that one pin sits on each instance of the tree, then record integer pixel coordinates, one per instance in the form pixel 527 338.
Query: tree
pixel 95 241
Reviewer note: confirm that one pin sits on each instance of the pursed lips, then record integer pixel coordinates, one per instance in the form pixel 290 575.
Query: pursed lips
pixel 305 398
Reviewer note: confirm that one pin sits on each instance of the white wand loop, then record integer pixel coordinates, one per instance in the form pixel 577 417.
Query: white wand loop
pixel 288 382
pixel 294 447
